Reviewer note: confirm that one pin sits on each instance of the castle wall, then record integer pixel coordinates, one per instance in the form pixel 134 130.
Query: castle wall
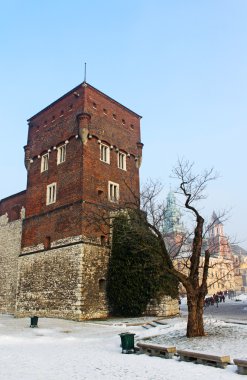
pixel 10 246
pixel 63 282
pixel 95 264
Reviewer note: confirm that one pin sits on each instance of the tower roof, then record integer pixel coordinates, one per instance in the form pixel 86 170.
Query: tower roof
pixel 215 218
pixel 84 85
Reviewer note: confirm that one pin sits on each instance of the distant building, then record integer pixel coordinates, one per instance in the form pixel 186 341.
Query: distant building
pixel 227 268
pixel 217 241
pixel 240 267
pixel 172 216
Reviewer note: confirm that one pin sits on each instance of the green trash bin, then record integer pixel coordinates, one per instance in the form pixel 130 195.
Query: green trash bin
pixel 34 321
pixel 127 343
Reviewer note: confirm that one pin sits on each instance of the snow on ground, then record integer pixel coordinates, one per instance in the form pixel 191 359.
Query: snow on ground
pixel 242 297
pixel 222 338
pixel 66 350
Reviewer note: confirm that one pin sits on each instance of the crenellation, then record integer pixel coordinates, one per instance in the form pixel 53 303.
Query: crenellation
pixel 4 219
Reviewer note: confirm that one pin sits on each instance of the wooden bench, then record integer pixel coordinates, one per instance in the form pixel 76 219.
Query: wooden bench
pixel 242 365
pixel 156 350
pixel 204 358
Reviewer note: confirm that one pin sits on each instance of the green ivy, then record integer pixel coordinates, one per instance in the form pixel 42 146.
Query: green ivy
pixel 137 271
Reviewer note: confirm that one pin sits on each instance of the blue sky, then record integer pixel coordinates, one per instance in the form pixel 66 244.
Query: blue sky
pixel 180 64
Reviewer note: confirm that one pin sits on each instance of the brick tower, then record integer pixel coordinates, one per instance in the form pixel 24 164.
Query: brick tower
pixel 83 150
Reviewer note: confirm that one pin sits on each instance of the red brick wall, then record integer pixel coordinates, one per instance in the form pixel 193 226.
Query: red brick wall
pixel 67 175
pixel 96 175
pixel 122 132
pixel 59 224
pixel 54 124
pixel 12 205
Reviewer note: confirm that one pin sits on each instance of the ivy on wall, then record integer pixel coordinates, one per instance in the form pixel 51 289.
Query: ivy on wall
pixel 137 272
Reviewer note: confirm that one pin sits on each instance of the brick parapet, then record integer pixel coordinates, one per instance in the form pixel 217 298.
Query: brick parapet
pixel 12 205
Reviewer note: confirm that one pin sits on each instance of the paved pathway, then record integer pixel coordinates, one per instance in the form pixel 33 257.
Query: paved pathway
pixel 230 310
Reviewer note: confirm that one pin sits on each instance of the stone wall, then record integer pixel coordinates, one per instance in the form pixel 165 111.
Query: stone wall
pixel 10 246
pixel 166 307
pixel 68 280
pixel 63 282
pixel 95 264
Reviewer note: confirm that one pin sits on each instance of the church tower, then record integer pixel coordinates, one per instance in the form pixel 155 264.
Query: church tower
pixel 173 228
pixel 172 216
pixel 218 241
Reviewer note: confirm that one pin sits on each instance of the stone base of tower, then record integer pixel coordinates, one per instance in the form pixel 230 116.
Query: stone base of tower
pixel 66 281
pixel 165 307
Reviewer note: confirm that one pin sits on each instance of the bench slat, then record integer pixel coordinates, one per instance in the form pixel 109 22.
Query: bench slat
pixel 202 355
pixel 157 350
pixel 204 358
pixel 242 366
pixel 242 362
pixel 156 346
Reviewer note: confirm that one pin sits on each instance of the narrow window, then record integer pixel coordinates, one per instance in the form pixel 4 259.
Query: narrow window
pixel 47 242
pixel 61 154
pixel 104 153
pixel 44 162
pixel 122 160
pixel 51 193
pixel 113 192
pixel 102 239
pixel 102 285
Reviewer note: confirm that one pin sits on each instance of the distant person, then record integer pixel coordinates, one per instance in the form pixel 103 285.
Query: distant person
pixel 216 300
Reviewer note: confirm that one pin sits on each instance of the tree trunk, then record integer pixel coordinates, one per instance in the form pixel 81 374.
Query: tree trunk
pixel 195 324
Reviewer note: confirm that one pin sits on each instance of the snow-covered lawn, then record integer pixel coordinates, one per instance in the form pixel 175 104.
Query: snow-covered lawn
pixel 66 350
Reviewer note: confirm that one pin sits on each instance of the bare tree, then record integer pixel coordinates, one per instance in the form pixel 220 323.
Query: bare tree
pixel 196 257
